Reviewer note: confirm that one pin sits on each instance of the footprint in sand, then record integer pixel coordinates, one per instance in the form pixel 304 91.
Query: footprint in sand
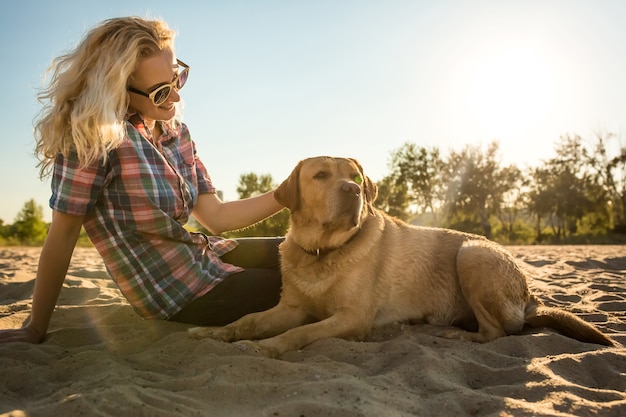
pixel 567 298
pixel 606 288
pixel 612 306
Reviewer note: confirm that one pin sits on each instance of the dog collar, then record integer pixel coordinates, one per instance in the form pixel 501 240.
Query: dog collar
pixel 321 252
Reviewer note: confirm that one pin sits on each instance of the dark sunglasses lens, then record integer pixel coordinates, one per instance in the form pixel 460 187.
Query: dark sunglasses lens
pixel 162 94
pixel 182 79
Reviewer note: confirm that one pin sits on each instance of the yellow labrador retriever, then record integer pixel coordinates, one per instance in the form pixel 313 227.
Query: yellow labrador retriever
pixel 348 267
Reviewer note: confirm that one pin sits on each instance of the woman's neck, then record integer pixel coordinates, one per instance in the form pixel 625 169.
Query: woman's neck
pixel 150 124
pixel 153 128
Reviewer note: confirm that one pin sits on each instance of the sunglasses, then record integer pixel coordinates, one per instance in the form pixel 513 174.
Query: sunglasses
pixel 160 94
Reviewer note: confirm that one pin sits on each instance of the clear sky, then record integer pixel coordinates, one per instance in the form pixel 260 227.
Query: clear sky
pixel 273 82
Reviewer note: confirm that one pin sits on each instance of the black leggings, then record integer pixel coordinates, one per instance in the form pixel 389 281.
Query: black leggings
pixel 257 288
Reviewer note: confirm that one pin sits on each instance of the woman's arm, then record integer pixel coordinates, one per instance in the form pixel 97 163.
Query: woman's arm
pixel 218 216
pixel 53 263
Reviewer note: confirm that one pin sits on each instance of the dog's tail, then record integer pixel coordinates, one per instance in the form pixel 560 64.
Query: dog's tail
pixel 539 315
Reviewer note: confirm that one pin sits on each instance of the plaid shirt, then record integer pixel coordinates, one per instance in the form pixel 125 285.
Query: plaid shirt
pixel 135 206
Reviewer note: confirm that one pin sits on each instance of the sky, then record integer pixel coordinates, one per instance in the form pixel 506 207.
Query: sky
pixel 274 82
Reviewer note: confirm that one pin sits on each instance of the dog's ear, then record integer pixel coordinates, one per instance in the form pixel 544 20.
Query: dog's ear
pixel 288 193
pixel 370 189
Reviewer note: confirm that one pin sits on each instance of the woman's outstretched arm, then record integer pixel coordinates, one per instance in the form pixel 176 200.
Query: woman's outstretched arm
pixel 53 263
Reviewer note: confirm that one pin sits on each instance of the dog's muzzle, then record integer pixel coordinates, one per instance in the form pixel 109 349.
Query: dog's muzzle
pixel 351 201
pixel 351 188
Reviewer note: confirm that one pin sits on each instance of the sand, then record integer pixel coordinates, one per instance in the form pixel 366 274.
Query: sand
pixel 101 359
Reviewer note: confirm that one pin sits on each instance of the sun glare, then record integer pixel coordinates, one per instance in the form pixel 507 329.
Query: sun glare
pixel 510 91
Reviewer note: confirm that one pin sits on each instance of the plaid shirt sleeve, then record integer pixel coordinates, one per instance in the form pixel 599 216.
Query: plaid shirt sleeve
pixel 75 191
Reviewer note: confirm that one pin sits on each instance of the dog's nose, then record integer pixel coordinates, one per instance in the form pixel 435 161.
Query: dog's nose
pixel 351 187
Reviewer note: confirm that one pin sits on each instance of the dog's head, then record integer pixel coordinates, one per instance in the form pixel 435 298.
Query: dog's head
pixel 327 193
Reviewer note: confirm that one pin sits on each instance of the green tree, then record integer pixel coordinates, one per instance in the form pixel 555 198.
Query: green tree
pixel 393 197
pixel 610 173
pixel 565 190
pixel 476 186
pixel 539 199
pixel 251 184
pixel 29 227
pixel 512 204
pixel 414 183
pixel 4 233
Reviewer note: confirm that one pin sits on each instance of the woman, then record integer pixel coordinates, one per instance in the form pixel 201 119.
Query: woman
pixel 124 166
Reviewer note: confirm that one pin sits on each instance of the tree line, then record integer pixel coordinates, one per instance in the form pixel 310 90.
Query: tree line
pixel 577 196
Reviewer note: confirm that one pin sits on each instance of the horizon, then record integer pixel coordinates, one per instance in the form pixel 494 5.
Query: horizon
pixel 273 83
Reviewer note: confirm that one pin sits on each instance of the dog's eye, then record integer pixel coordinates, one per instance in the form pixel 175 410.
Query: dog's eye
pixel 320 175
pixel 358 179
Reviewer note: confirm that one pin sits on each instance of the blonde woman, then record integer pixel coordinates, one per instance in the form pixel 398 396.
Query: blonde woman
pixel 124 166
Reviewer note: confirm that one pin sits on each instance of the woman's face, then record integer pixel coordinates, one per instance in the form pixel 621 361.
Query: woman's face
pixel 151 73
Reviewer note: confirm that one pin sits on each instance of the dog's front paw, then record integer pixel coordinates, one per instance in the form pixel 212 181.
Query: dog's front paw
pixel 257 348
pixel 218 333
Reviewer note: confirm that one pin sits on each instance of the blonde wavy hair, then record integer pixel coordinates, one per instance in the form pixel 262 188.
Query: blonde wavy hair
pixel 85 100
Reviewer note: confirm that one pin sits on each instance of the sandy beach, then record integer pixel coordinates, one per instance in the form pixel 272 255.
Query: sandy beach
pixel 101 359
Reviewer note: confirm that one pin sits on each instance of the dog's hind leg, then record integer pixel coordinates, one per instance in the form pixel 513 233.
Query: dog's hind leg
pixel 494 288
